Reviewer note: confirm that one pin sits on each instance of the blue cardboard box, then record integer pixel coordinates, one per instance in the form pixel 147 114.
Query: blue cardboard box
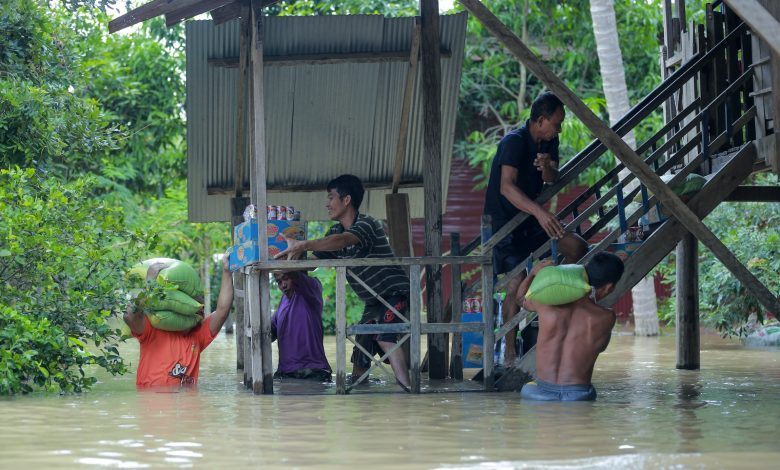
pixel 472 342
pixel 243 254
pixel 246 250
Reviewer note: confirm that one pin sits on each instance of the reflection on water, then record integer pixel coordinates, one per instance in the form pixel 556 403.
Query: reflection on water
pixel 649 415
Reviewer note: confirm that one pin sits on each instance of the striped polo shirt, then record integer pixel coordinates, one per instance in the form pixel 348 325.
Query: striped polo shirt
pixel 384 280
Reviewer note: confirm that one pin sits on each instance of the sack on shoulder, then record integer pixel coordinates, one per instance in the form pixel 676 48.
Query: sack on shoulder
pixel 557 285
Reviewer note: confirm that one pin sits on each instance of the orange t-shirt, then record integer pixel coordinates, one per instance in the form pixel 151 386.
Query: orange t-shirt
pixel 170 358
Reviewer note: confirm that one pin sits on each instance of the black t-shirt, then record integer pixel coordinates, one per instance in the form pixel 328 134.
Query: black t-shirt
pixel 517 149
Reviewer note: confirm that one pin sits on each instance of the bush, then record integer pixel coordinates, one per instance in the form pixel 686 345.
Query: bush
pixel 63 254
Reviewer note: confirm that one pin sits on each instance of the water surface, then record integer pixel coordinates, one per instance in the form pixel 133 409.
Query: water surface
pixel 648 415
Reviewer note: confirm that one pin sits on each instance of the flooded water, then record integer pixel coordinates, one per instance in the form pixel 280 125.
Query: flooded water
pixel 648 415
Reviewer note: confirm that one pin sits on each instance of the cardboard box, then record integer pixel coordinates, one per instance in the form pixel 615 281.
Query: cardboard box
pixel 243 254
pixel 247 231
pixel 472 342
pixel 624 250
pixel 247 251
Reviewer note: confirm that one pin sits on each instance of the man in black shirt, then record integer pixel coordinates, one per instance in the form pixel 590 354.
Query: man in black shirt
pixel 526 159
pixel 361 236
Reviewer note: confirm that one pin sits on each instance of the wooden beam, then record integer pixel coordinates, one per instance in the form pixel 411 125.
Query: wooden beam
pixel 341 336
pixel 174 17
pixel 226 13
pixel 148 11
pixel 333 263
pixel 406 107
pixel 688 353
pixel 262 383
pixel 755 194
pixel 221 190
pixel 325 58
pixel 628 156
pixel 760 20
pixel 431 91
pixel 245 37
pixel 415 309
pixel 456 307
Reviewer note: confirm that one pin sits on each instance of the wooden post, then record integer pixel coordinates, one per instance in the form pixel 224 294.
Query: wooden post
pixel 341 330
pixel 246 334
pixel 431 77
pixel 255 350
pixel 688 303
pixel 262 367
pixel 237 206
pixel 488 336
pixel 456 302
pixel 415 306
pixel 627 156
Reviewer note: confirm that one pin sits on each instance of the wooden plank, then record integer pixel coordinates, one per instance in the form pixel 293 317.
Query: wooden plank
pixel 246 338
pixel 630 159
pixel 245 36
pixel 488 339
pixel 218 190
pixel 755 194
pixel 226 13
pixel 415 309
pixel 175 17
pixel 148 11
pixel 255 323
pixel 332 263
pixel 452 327
pixel 456 302
pixel 266 339
pixel 406 106
pixel 432 189
pixel 326 58
pixel 258 162
pixel 399 223
pixel 341 336
pixel 687 322
pixel 760 20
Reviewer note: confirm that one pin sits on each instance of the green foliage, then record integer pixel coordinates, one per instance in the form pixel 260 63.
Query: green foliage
pixel 752 232
pixel 343 7
pixel 62 256
pixel 494 98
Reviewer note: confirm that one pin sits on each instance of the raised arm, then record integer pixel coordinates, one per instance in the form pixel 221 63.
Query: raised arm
pixel 523 288
pixel 225 300
pixel 134 317
pixel 295 248
pixel 519 199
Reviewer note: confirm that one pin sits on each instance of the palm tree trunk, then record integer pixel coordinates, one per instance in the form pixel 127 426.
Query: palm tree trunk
pixel 616 93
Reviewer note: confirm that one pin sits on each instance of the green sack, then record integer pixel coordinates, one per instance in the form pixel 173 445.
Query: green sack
pixel 557 285
pixel 691 184
pixel 181 274
pixel 172 321
pixel 177 302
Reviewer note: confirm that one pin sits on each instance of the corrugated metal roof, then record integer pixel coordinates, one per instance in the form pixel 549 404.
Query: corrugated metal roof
pixel 321 120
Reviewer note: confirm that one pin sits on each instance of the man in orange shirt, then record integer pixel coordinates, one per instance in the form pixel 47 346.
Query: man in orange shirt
pixel 171 358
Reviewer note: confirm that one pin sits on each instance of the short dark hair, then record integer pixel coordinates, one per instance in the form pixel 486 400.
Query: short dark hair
pixel 604 268
pixel 545 105
pixel 348 185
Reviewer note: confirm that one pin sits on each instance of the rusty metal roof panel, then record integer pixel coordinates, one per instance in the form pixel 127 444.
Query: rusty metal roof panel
pixel 321 120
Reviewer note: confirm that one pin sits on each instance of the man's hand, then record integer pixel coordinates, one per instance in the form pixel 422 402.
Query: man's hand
pixel 295 249
pixel 550 224
pixel 544 162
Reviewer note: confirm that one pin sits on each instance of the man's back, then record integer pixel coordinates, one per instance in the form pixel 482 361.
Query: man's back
pixel 571 336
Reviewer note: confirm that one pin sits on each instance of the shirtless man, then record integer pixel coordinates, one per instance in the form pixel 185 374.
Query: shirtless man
pixel 571 336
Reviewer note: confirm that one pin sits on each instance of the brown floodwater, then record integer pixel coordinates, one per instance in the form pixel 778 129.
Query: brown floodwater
pixel 648 415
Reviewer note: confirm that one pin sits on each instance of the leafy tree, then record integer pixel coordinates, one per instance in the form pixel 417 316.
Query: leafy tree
pixel 62 255
pixel 751 230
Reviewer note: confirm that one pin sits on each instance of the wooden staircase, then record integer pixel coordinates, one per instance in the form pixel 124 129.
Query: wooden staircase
pixel 712 134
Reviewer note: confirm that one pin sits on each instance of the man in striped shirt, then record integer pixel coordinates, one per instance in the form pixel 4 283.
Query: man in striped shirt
pixel 357 235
